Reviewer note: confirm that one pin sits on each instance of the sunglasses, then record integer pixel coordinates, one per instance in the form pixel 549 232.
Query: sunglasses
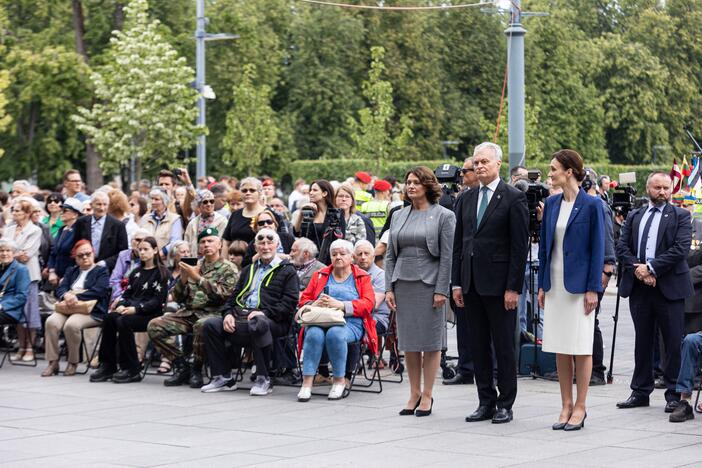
pixel 265 222
pixel 268 237
pixel 84 255
pixel 207 202
pixel 466 171
pixel 248 190
pixel 54 201
pixel 139 239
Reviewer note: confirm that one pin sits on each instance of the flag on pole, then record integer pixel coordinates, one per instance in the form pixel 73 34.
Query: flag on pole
pixel 686 170
pixel 676 176
pixel 693 180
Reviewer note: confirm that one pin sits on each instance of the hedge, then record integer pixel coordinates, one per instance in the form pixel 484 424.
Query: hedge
pixel 340 169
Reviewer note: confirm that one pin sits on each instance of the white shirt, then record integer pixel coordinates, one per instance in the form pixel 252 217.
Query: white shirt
pixel 79 283
pixel 492 186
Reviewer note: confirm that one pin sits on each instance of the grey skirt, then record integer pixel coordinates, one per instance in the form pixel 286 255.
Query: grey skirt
pixel 420 327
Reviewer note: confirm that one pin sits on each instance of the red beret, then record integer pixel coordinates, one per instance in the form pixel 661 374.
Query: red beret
pixel 363 177
pixel 268 183
pixel 382 185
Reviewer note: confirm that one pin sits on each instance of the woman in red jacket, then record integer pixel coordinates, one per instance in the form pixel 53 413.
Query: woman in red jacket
pixel 347 287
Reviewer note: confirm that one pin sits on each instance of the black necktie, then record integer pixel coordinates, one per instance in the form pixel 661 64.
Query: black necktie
pixel 644 237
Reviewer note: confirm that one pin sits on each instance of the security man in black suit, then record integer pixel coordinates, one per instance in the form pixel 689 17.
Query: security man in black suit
pixel 652 251
pixel 107 234
pixel 489 257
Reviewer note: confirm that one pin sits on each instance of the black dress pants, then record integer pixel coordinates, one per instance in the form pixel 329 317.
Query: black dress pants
pixel 649 307
pixel 216 340
pixel 118 340
pixel 465 359
pixel 489 323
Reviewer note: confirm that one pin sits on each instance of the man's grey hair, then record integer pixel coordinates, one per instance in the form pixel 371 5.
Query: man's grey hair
pixel 363 243
pixel 174 251
pixel 99 195
pixel 8 243
pixel 267 232
pixel 341 244
pixel 496 150
pixel 306 245
pixel 24 183
pixel 469 159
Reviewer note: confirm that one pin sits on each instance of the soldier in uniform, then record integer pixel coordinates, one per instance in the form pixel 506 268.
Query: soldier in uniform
pixel 377 209
pixel 202 290
pixel 361 182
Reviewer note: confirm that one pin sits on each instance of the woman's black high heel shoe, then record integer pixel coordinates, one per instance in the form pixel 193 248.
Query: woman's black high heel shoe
pixel 575 427
pixel 419 413
pixel 410 412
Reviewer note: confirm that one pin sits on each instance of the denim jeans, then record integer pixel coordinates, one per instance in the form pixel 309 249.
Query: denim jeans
pixel 690 353
pixel 335 340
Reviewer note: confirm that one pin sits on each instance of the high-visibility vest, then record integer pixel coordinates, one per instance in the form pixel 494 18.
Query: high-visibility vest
pixel 377 211
pixel 362 197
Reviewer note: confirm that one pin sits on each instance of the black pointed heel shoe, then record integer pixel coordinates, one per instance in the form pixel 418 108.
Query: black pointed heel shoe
pixel 421 413
pixel 575 427
pixel 410 412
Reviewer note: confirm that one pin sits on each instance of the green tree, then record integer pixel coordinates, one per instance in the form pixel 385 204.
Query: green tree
pixel 371 133
pixel 146 108
pixel 252 127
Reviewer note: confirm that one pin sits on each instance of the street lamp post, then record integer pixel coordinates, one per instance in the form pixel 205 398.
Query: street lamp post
pixel 201 37
pixel 515 86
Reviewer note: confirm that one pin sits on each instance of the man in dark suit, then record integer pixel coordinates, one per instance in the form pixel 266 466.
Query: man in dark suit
pixel 653 250
pixel 489 257
pixel 107 234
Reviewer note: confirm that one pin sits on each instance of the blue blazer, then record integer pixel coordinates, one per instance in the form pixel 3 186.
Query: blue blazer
pixel 97 287
pixel 15 294
pixel 583 244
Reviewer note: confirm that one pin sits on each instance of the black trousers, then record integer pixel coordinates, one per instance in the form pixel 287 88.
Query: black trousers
pixel 649 307
pixel 118 340
pixel 598 367
pixel 220 359
pixel 7 319
pixel 489 322
pixel 465 358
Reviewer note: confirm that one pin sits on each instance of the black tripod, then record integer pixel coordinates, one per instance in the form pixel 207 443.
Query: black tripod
pixel 615 319
pixel 535 315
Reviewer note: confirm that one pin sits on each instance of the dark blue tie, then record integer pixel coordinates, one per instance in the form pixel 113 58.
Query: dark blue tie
pixel 644 237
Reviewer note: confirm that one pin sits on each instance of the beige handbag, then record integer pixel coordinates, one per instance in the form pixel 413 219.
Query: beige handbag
pixel 80 307
pixel 324 317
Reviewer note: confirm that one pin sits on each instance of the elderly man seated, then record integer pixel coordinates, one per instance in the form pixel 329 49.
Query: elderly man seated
pixel 202 290
pixel 14 283
pixel 260 309
pixel 303 255
pixel 690 354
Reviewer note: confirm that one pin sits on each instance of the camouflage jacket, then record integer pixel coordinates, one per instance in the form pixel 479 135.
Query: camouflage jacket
pixel 208 295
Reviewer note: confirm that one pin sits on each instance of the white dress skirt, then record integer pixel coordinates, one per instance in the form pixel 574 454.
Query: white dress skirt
pixel 567 330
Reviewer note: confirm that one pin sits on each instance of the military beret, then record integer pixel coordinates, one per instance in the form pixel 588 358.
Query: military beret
pixel 382 185
pixel 210 231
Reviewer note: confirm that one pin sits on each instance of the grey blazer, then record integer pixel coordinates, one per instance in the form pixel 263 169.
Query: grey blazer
pixel 435 270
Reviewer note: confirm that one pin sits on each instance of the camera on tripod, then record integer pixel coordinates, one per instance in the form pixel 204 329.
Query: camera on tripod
pixel 450 178
pixel 334 216
pixel 536 192
pixel 624 197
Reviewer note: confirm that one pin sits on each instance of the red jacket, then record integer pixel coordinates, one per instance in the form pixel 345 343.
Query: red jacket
pixel 362 307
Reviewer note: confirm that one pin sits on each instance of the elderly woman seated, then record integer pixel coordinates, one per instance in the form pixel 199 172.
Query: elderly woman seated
pixel 82 284
pixel 343 286
pixel 14 282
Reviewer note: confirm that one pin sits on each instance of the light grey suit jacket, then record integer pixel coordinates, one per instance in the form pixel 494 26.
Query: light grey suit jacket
pixel 435 269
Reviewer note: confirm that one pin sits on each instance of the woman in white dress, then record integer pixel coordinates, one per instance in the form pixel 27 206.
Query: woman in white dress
pixel 571 257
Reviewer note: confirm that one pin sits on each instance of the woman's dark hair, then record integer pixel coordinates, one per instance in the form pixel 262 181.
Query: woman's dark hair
pixel 237 248
pixel 570 159
pixel 143 204
pixel 55 196
pixel 325 186
pixel 163 271
pixel 428 180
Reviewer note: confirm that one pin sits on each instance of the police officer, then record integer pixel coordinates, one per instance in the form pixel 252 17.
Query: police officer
pixel 377 209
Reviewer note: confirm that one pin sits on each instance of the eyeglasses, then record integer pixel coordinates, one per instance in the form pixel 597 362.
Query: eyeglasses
pixel 248 190
pixel 84 255
pixel 265 222
pixel 466 171
pixel 267 237
pixel 207 202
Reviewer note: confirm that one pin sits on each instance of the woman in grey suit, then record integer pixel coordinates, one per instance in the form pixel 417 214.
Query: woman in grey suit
pixel 417 277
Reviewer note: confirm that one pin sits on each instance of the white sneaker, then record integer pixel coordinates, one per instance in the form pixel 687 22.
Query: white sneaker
pixel 304 394
pixel 337 391
pixel 262 387
pixel 219 384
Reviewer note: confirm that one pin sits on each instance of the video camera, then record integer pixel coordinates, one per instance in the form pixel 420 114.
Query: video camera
pixel 624 197
pixel 450 178
pixel 536 192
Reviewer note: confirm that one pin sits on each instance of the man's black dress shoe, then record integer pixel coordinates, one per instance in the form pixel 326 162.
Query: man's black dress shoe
pixel 634 401
pixel 596 380
pixel 502 416
pixel 459 379
pixel 671 405
pixel 483 413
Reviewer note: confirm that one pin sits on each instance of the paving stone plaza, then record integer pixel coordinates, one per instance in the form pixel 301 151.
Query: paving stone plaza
pixel 69 422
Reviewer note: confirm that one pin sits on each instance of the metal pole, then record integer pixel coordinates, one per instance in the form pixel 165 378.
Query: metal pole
pixel 200 35
pixel 515 86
